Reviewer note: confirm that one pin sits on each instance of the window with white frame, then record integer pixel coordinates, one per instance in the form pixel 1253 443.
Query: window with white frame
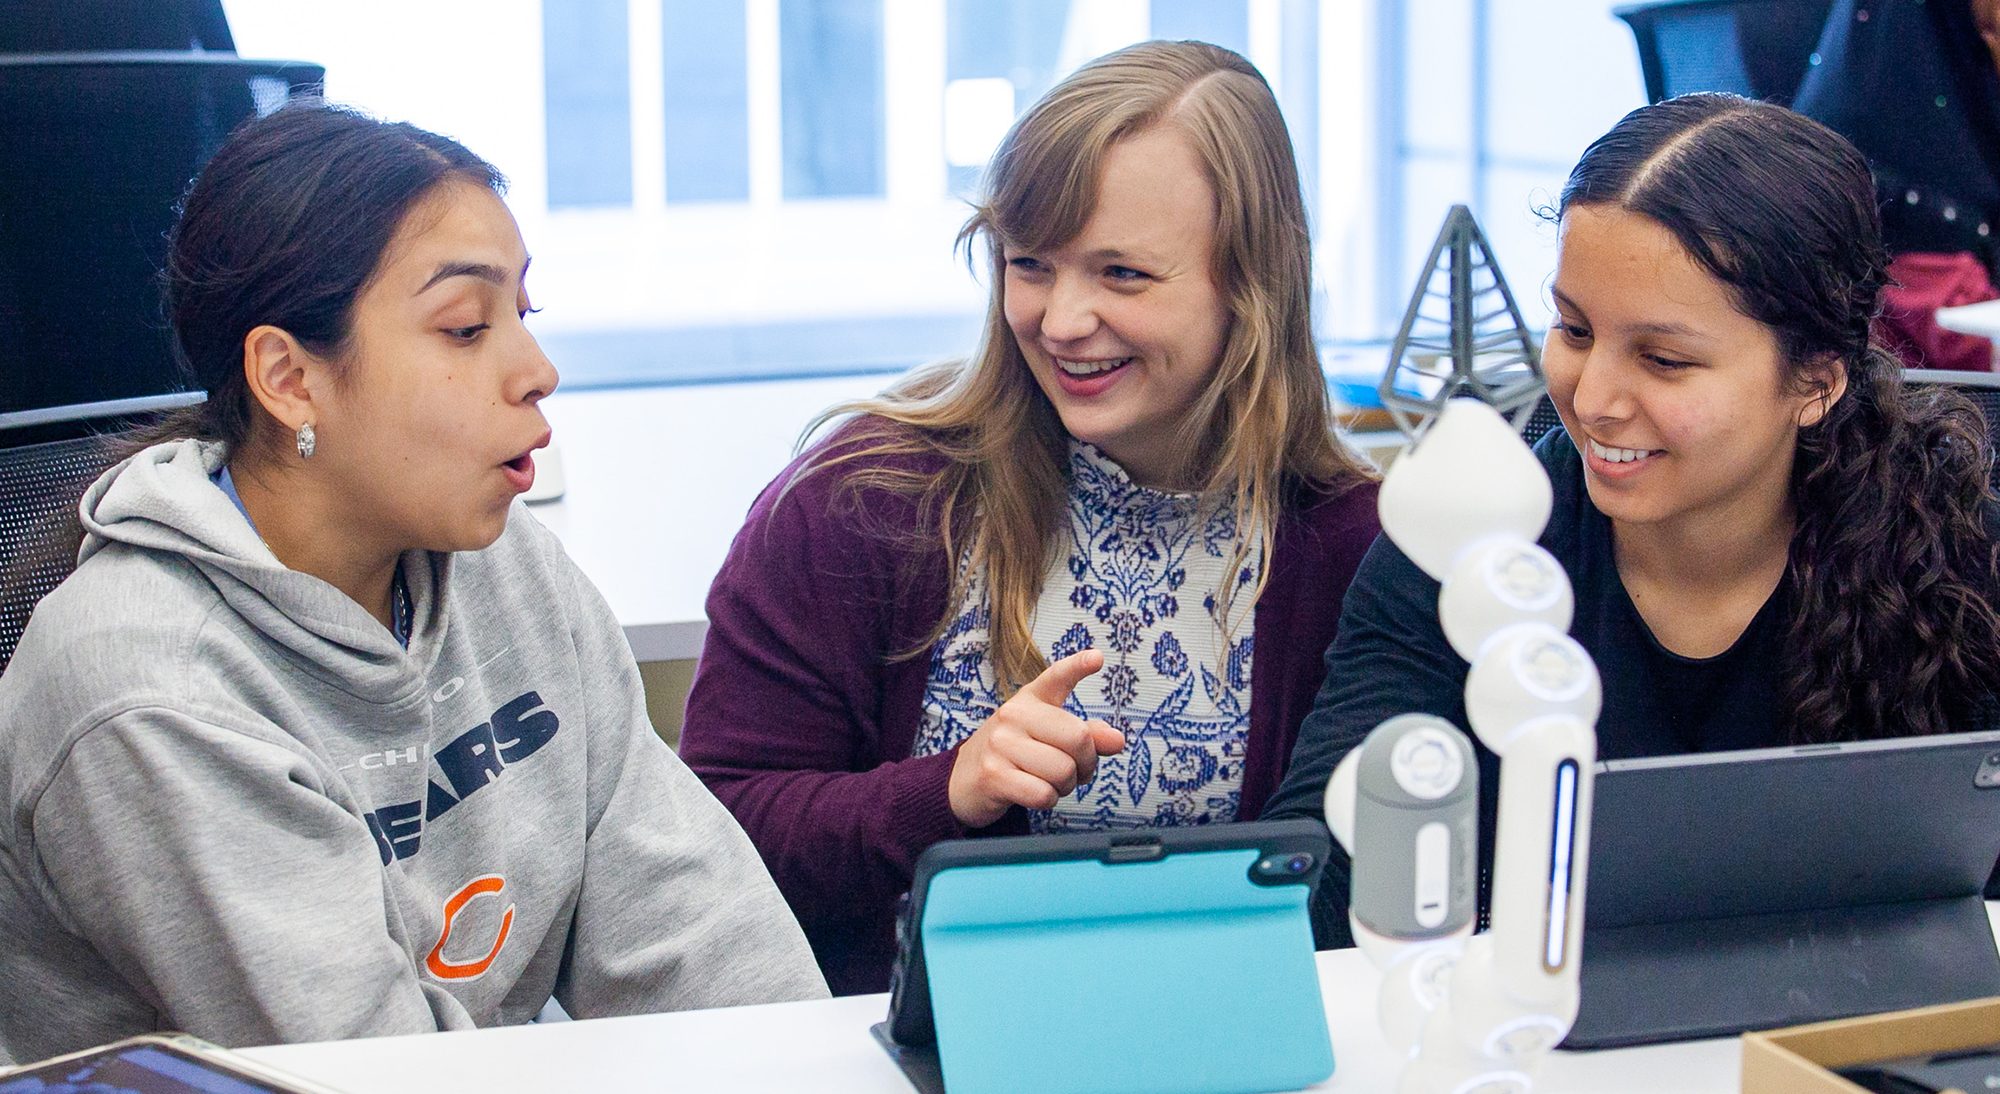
pixel 720 189
pixel 830 65
pixel 1488 103
pixel 586 92
pixel 705 100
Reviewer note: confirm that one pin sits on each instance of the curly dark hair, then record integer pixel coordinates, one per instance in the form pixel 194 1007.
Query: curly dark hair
pixel 1892 572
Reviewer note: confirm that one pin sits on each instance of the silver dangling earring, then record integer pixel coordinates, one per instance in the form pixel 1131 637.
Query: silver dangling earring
pixel 307 442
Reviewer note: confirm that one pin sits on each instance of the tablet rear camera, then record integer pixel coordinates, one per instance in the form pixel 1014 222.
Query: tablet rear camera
pixel 1287 865
pixel 1283 869
pixel 1988 775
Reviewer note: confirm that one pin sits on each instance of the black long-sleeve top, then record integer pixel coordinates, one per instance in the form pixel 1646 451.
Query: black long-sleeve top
pixel 1392 658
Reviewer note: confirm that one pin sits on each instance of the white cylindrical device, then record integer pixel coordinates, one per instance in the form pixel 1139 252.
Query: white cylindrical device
pixel 1416 829
pixel 1413 985
pixel 1489 1021
pixel 1339 802
pixel 1450 1063
pixel 1469 476
pixel 1499 581
pixel 1540 861
pixel 1527 671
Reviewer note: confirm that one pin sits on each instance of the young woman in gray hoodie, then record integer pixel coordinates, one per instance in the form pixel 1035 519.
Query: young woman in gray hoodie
pixel 326 737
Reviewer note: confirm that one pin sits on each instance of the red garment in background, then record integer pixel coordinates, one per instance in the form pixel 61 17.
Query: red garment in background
pixel 1919 284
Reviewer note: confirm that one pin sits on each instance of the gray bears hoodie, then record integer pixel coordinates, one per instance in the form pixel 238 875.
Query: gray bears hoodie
pixel 235 806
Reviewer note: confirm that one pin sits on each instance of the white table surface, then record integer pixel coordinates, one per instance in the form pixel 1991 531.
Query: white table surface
pixel 659 480
pixel 825 1046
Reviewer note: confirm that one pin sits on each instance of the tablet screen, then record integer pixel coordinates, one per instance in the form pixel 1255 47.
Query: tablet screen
pixel 139 1069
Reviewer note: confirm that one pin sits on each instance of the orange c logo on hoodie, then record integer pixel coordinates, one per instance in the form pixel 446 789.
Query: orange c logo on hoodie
pixel 468 970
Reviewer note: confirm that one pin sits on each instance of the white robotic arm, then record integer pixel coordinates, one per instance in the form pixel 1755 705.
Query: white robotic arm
pixel 1466 503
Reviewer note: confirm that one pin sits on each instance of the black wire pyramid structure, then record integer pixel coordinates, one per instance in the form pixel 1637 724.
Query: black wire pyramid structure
pixel 1461 311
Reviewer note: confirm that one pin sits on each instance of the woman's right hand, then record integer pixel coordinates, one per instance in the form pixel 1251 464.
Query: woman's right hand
pixel 1032 751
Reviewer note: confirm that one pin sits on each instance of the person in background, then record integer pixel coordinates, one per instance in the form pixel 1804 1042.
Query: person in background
pixel 1915 84
pixel 1772 542
pixel 1021 592
pixel 326 737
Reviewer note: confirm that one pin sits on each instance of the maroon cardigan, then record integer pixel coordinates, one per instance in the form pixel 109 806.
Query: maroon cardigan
pixel 802 718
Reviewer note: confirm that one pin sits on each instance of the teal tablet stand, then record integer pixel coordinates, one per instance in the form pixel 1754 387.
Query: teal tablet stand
pixel 1179 975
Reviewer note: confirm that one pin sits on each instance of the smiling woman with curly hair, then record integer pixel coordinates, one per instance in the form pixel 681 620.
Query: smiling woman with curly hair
pixel 1772 541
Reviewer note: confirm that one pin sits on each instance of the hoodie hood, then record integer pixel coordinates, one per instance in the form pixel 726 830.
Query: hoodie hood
pixel 162 499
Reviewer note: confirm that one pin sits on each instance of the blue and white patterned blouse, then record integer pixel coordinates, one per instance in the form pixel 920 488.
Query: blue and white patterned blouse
pixel 1137 577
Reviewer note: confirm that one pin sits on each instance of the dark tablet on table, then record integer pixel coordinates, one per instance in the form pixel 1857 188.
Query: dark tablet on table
pixel 1756 889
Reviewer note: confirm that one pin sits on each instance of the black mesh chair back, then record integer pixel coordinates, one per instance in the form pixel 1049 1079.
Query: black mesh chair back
pixel 40 485
pixel 1541 422
pixel 1760 49
pixel 1983 388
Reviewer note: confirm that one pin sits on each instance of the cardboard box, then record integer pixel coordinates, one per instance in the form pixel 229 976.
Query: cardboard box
pixel 1800 1060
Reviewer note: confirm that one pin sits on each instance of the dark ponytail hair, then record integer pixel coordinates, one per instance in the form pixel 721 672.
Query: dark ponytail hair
pixel 1892 572
pixel 286 226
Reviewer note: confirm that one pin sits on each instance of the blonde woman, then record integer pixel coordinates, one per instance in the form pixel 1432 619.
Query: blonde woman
pixel 1021 592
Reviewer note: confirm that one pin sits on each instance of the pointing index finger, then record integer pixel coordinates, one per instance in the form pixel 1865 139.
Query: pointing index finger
pixel 1058 680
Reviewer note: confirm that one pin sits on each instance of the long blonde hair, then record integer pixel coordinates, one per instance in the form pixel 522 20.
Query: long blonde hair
pixel 1262 428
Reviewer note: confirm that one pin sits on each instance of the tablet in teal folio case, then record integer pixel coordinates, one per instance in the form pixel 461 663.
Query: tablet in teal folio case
pixel 1190 973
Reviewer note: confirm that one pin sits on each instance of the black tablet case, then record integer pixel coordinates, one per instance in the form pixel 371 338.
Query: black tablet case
pixel 1752 890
